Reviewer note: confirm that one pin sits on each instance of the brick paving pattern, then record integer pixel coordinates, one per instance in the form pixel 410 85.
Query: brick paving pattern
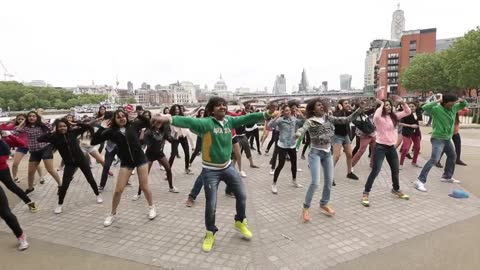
pixel 281 240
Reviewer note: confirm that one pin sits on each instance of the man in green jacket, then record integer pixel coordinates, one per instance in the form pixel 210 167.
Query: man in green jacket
pixel 443 112
pixel 216 132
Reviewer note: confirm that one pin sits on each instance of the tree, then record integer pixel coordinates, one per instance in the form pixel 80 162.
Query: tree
pixel 12 104
pixel 43 103
pixel 426 73
pixel 59 104
pixel 28 101
pixel 462 60
pixel 3 104
pixel 21 97
pixel 72 102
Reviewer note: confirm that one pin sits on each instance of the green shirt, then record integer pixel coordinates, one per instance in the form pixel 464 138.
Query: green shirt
pixel 443 119
pixel 216 138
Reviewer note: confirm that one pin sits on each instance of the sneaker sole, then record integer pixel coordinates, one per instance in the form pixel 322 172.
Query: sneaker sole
pixel 243 235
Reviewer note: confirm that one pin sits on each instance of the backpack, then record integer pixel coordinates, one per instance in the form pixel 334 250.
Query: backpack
pixel 364 124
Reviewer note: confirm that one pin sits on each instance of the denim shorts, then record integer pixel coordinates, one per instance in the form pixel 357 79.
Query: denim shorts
pixel 23 150
pixel 132 166
pixel 338 139
pixel 42 154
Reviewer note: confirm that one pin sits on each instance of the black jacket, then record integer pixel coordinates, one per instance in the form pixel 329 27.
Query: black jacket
pixel 67 144
pixel 410 120
pixel 155 140
pixel 129 147
pixel 342 129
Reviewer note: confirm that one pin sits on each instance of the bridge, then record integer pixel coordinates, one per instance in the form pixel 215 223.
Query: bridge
pixel 302 97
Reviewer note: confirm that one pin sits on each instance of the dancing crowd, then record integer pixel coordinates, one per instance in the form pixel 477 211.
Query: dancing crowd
pixel 389 129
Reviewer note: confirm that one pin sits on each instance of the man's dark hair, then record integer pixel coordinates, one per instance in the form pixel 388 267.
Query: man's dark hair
pixel 212 102
pixel 449 97
pixel 139 108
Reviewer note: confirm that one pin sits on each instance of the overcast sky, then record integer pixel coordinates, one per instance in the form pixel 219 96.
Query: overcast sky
pixel 249 42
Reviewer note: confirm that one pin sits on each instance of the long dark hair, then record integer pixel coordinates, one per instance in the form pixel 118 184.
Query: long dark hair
pixel 18 115
pixel 173 109
pixel 199 113
pixel 37 123
pixel 114 116
pixel 392 114
pixel 98 113
pixel 310 110
pixel 61 120
pixel 165 109
pixel 147 112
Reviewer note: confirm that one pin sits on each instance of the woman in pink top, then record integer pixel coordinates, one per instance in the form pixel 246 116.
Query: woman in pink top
pixel 386 122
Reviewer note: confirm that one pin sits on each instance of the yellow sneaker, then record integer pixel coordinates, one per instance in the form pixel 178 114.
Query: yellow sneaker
pixel 243 228
pixel 365 201
pixel 208 241
pixel 33 207
pixel 400 195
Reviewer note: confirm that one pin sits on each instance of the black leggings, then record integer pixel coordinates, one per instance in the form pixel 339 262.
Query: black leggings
pixel 68 173
pixel 198 149
pixel 6 179
pixel 274 139
pixel 109 158
pixel 282 155
pixel 254 134
pixel 306 141
pixel 243 141
pixel 7 215
pixel 184 142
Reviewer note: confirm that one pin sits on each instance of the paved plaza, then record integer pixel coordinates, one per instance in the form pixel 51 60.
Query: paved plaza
pixel 281 240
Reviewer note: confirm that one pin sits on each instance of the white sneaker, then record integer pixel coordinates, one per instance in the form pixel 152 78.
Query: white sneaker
pixel 109 220
pixel 296 184
pixel 152 213
pixel 274 189
pixel 99 199
pixel 58 209
pixel 299 170
pixel 272 172
pixel 420 186
pixel 451 180
pixel 400 168
pixel 135 197
pixel 173 190
pixel 22 242
pixel 243 174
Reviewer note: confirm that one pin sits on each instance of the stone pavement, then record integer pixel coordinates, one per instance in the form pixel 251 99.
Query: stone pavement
pixel 281 240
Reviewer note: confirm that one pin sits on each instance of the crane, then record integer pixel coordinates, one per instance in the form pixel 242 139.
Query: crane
pixel 5 74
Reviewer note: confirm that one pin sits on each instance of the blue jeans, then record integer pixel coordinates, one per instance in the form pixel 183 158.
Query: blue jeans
pixel 197 187
pixel 211 179
pixel 315 159
pixel 438 147
pixel 389 152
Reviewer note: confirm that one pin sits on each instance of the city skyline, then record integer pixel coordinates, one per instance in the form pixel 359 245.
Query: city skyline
pixel 161 43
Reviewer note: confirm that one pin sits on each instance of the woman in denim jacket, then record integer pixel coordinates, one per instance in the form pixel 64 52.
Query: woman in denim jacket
pixel 286 124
